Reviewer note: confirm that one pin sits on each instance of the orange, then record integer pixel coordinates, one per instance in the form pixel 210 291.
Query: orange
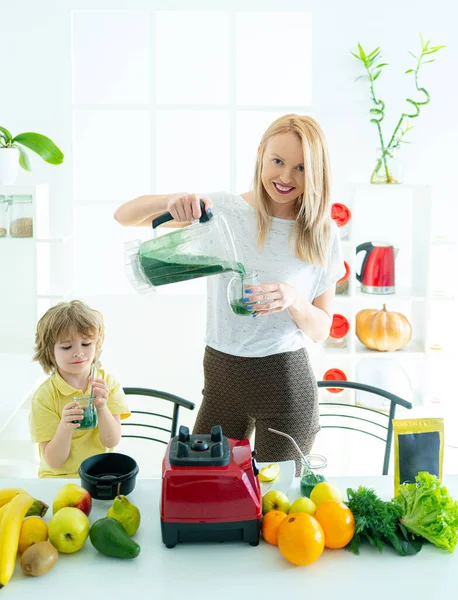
pixel 33 530
pixel 270 524
pixel 300 539
pixel 337 522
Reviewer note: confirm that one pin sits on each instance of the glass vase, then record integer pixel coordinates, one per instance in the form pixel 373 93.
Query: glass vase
pixel 388 168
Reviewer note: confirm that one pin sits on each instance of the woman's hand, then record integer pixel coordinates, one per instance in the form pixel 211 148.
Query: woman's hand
pixel 186 207
pixel 100 392
pixel 71 413
pixel 275 297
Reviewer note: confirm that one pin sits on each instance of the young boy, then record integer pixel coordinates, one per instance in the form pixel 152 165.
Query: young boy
pixel 68 338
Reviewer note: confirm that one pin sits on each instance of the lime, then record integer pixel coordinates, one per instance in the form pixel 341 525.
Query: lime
pixel 269 473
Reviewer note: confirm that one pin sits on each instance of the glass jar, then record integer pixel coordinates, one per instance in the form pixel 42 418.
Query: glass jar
pixel 338 334
pixel 341 215
pixel 343 283
pixel 89 420
pixel 21 224
pixel 5 212
pixel 310 477
pixel 387 169
pixel 236 293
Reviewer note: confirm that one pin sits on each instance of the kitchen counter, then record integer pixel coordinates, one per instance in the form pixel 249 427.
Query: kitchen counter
pixel 231 570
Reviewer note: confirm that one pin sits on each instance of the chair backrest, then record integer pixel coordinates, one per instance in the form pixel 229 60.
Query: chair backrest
pixel 357 415
pixel 152 422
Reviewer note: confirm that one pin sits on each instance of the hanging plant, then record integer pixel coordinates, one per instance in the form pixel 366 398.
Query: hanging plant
pixel 383 171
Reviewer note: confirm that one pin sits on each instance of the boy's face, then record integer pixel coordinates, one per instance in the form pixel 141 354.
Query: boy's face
pixel 75 354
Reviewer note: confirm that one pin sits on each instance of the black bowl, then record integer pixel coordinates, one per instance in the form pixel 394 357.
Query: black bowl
pixel 106 475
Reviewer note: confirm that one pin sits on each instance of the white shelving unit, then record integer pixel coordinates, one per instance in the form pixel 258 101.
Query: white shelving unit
pixel 45 263
pixel 36 272
pixel 399 215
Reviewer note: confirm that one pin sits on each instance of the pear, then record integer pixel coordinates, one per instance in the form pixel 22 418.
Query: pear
pixel 126 513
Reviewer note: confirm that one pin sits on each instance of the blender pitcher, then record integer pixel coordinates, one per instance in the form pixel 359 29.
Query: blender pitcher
pixel 206 247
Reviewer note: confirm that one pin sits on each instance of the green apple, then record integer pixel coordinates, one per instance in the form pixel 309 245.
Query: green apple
pixel 275 500
pixel 304 505
pixel 68 529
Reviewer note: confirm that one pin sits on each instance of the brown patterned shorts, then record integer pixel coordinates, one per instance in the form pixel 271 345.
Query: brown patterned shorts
pixel 244 394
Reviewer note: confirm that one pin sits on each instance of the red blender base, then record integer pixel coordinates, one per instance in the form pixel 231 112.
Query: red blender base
pixel 210 490
pixel 243 531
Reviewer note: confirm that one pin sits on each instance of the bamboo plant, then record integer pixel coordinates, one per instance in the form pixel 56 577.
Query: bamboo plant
pixel 42 145
pixel 373 66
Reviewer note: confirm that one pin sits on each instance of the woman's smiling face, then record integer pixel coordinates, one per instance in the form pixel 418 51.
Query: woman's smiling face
pixel 283 172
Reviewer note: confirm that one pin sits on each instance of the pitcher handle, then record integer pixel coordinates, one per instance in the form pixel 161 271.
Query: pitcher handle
pixel 166 217
pixel 367 247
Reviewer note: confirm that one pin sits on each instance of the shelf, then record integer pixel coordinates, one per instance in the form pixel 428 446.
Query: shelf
pixel 413 348
pixel 400 294
pixel 55 239
pixel 337 351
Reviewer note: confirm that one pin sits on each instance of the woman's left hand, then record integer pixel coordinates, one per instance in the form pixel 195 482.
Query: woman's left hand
pixel 275 297
pixel 100 391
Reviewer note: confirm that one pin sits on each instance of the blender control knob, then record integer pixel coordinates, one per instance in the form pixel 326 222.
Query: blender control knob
pixel 217 450
pixel 182 450
pixel 216 434
pixel 183 433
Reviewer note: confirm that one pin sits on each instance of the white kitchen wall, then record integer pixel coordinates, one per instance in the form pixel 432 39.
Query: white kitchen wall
pixel 149 96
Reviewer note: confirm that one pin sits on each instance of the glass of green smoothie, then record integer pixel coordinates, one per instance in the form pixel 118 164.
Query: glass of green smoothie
pixel 89 420
pixel 236 292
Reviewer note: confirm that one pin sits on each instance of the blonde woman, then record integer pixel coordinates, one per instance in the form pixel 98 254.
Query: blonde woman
pixel 257 372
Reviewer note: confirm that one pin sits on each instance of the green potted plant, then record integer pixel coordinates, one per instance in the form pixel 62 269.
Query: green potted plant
pixel 385 167
pixel 13 155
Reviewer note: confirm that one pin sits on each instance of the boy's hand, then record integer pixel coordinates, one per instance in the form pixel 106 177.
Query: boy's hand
pixel 72 412
pixel 100 392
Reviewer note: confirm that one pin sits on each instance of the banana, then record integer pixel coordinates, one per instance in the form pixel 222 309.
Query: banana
pixel 38 507
pixel 8 494
pixel 10 528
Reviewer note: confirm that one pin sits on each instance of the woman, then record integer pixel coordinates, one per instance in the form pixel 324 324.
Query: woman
pixel 256 370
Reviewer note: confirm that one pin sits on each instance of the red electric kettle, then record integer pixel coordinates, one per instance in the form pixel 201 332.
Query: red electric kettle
pixel 377 269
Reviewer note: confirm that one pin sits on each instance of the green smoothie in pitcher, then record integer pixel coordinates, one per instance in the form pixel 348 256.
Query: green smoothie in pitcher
pixel 162 272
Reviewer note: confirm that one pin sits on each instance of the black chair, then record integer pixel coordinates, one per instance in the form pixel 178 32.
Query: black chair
pixel 170 422
pixel 346 413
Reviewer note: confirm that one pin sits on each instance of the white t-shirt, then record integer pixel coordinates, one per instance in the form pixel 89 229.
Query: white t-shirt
pixel 275 261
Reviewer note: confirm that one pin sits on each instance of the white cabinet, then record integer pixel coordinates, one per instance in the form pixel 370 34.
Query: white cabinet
pixel 399 215
pixel 36 271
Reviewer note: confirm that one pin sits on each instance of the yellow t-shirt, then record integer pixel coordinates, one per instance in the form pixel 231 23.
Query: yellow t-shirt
pixel 47 406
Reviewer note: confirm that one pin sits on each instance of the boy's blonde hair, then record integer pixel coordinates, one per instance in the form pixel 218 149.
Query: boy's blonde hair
pixel 64 320
pixel 312 226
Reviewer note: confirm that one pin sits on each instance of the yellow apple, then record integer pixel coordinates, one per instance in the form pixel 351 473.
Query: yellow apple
pixel 68 529
pixel 303 504
pixel 275 500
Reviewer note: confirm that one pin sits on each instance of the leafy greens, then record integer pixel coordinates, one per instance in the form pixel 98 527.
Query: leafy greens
pixel 429 511
pixel 378 522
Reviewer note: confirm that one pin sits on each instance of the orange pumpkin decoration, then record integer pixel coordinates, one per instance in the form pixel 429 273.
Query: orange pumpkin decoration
pixel 382 330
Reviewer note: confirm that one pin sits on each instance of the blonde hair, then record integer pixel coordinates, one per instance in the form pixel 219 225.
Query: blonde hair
pixel 312 226
pixel 62 320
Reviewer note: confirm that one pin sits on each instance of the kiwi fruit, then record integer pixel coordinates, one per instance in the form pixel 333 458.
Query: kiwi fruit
pixel 38 559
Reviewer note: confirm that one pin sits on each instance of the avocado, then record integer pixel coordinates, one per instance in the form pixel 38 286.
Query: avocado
pixel 109 537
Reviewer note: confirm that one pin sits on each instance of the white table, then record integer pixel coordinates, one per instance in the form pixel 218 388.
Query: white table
pixel 232 570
